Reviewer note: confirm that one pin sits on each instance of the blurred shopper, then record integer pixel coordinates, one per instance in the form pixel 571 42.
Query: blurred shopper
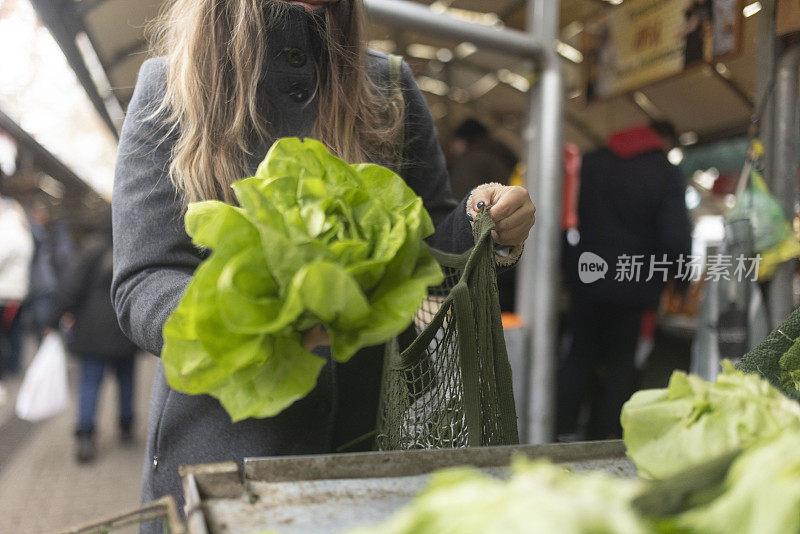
pixel 16 251
pixel 631 206
pixel 94 336
pixel 474 158
pixel 39 304
pixel 698 30
pixel 316 79
pixel 63 247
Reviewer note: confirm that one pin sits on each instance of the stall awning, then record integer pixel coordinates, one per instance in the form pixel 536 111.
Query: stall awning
pixel 708 101
pixel 45 161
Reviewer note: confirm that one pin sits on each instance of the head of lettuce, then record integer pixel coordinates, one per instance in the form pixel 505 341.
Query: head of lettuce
pixel 313 240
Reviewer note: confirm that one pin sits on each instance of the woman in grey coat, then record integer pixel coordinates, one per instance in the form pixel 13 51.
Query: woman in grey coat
pixel 235 76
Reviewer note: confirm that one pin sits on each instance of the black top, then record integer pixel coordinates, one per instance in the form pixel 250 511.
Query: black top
pixel 85 294
pixel 629 206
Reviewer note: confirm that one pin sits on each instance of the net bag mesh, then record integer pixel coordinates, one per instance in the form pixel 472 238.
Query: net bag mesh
pixel 447 380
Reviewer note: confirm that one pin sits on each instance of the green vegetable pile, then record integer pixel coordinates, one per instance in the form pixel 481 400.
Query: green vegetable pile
pixel 693 421
pixel 725 455
pixel 759 495
pixel 777 358
pixel 314 240
pixel 539 497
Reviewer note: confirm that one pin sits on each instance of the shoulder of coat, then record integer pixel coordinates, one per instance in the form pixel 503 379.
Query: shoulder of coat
pixel 377 62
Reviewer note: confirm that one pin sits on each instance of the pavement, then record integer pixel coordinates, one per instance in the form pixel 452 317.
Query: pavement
pixel 42 488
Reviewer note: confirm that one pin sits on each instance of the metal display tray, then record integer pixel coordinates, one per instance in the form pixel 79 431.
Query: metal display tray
pixel 336 493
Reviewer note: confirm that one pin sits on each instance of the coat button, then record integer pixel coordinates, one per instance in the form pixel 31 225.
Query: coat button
pixel 298 93
pixel 296 57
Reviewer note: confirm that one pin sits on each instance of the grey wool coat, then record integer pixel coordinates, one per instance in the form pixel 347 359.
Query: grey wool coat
pixel 154 260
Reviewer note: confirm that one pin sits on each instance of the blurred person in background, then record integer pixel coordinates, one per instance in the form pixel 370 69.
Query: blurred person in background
pixel 16 251
pixel 473 158
pixel 698 18
pixel 632 203
pixel 62 247
pixel 83 303
pixel 39 304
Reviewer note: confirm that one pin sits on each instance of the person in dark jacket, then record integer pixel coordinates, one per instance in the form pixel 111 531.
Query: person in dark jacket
pixel 181 143
pixel 633 217
pixel 43 282
pixel 698 17
pixel 95 337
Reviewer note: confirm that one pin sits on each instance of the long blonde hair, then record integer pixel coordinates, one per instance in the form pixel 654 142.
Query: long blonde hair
pixel 216 54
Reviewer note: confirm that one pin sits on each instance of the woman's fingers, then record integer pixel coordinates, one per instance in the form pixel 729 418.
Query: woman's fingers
pixel 514 229
pixel 484 196
pixel 508 200
pixel 513 211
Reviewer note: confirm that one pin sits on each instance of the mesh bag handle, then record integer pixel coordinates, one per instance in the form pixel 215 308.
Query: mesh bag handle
pixel 447 381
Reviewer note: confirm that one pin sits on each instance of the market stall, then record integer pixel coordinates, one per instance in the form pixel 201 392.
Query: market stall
pixel 710 96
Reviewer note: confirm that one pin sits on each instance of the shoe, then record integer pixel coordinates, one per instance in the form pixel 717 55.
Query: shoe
pixel 126 434
pixel 86 450
pixel 3 394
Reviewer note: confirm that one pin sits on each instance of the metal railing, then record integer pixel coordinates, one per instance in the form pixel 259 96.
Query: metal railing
pixel 785 138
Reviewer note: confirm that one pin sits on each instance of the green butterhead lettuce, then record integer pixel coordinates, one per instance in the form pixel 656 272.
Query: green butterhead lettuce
pixel 314 239
pixel 693 421
pixel 760 495
pixel 539 497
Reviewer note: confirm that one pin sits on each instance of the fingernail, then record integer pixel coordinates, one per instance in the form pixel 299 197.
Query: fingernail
pixel 470 217
pixel 480 205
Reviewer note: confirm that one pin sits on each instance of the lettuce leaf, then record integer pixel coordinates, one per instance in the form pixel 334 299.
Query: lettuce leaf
pixel 693 421
pixel 539 497
pixel 314 239
pixel 760 495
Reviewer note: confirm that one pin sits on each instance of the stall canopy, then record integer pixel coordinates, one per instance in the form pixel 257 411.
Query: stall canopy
pixel 707 101
pixel 74 186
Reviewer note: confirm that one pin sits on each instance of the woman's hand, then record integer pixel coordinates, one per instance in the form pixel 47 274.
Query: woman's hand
pixel 316 336
pixel 513 211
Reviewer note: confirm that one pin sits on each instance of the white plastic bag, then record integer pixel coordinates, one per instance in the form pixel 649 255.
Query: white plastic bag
pixel 44 391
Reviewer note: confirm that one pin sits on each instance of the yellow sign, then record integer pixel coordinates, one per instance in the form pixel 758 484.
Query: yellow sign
pixel 642 41
pixel 648 37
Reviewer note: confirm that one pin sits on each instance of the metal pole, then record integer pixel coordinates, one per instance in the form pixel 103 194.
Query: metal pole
pixel 765 69
pixel 785 168
pixel 418 17
pixel 45 160
pixel 538 280
pixel 60 20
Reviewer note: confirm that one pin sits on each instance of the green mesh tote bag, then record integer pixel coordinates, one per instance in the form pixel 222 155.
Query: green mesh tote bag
pixel 447 380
